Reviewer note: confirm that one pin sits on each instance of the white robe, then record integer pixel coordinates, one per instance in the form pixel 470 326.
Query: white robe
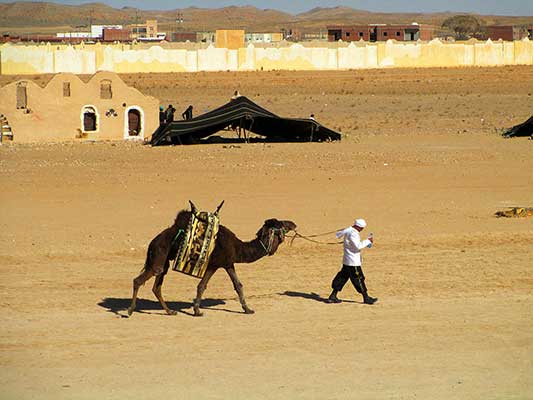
pixel 352 246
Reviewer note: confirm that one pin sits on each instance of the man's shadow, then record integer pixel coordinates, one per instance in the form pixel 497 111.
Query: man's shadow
pixel 311 296
pixel 119 306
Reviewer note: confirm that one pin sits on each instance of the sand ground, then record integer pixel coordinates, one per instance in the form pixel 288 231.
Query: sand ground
pixel 421 160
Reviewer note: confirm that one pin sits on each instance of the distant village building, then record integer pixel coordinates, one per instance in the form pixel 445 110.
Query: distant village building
pixel 147 32
pixel 104 108
pixel 181 36
pixel 97 31
pixel 205 37
pixel 298 35
pixel 318 36
pixel 72 35
pixel 232 39
pixel 74 38
pixel 116 35
pixel 263 37
pixel 508 32
pixel 381 32
pixel 105 33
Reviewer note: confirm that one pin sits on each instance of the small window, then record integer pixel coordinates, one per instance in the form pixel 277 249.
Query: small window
pixel 397 33
pixel 347 34
pixel 66 89
pixel 384 33
pixel 105 90
pixel 22 95
pixel 361 34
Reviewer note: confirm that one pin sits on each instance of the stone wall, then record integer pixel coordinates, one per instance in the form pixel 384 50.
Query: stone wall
pixel 120 58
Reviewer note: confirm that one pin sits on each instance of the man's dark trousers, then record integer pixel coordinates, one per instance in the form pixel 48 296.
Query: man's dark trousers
pixel 354 274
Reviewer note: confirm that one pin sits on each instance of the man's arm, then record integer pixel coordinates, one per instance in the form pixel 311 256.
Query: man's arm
pixel 341 233
pixel 358 243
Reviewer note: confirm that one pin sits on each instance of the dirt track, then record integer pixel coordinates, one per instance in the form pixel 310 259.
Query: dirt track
pixel 421 161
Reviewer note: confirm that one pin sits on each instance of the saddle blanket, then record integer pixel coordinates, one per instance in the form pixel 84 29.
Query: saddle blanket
pixel 197 245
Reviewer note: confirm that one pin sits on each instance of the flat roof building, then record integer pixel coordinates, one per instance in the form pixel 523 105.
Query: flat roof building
pixel 380 32
pixel 147 31
pixel 508 32
pixel 263 37
pixel 116 35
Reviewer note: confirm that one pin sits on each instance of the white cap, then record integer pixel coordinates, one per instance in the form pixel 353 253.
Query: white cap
pixel 361 223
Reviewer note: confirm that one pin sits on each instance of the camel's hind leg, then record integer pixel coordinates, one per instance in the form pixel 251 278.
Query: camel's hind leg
pixel 157 290
pixel 137 283
pixel 200 291
pixel 237 285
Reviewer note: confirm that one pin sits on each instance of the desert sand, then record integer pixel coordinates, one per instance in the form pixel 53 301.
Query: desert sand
pixel 421 160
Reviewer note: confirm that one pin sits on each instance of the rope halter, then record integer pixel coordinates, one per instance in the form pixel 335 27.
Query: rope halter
pixel 271 234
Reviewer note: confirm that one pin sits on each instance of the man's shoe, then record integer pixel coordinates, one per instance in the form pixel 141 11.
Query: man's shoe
pixel 370 300
pixel 333 299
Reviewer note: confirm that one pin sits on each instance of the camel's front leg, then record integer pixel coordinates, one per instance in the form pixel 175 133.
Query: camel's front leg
pixel 238 288
pixel 157 290
pixel 200 291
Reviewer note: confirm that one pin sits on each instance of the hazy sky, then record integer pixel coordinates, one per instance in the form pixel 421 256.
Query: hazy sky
pixel 498 7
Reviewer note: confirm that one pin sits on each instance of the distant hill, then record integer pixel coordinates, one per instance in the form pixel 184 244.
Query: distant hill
pixel 36 17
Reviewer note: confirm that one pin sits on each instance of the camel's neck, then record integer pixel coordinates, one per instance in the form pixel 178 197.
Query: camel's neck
pixel 249 252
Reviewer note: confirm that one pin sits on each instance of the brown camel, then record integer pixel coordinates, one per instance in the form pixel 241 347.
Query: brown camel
pixel 228 250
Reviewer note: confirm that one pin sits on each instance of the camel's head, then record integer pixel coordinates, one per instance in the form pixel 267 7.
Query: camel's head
pixel 272 234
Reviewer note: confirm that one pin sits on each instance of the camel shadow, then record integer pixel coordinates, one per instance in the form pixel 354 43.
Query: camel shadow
pixel 119 306
pixel 311 296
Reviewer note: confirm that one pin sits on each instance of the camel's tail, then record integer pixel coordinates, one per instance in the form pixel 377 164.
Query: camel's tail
pixel 147 261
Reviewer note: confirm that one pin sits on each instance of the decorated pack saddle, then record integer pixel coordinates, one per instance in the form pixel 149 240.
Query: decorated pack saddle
pixel 197 242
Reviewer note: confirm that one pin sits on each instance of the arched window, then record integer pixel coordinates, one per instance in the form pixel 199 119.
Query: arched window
pixel 105 89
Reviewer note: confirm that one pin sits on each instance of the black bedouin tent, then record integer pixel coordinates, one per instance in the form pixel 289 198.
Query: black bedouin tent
pixel 523 129
pixel 244 113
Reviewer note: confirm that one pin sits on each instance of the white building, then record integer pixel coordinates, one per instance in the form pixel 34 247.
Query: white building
pixel 67 35
pixel 262 37
pixel 97 31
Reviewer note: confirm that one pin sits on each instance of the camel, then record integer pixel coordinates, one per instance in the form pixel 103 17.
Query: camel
pixel 516 212
pixel 228 251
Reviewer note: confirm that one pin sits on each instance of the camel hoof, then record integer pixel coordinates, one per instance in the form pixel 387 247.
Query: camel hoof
pixel 249 311
pixel 130 311
pixel 172 312
pixel 198 314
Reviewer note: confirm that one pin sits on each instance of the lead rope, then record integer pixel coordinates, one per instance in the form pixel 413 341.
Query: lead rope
pixel 308 238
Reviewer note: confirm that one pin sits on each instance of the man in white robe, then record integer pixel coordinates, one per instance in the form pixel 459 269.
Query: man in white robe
pixel 351 262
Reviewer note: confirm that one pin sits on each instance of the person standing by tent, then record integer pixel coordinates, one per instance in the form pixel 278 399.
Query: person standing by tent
pixel 236 95
pixel 169 112
pixel 162 116
pixel 187 114
pixel 351 262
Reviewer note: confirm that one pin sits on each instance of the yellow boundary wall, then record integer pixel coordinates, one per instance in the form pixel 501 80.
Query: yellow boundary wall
pixel 121 58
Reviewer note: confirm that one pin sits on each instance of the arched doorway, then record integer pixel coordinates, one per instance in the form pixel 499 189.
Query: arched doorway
pixel 134 123
pixel 89 119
